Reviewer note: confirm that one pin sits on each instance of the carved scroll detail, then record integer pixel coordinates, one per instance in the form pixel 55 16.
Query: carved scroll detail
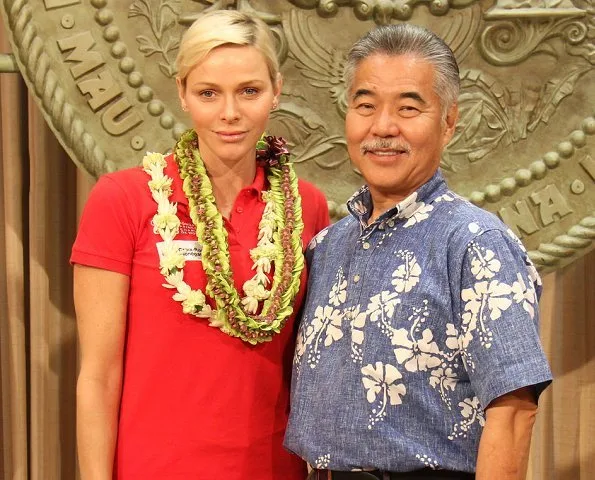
pixel 381 11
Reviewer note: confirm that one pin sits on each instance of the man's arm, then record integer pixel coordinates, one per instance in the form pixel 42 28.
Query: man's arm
pixel 504 445
pixel 101 299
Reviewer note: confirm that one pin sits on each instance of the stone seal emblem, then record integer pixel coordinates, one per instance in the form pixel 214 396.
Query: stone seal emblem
pixel 103 72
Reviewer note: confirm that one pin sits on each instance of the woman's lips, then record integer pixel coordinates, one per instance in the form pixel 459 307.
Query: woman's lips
pixel 235 136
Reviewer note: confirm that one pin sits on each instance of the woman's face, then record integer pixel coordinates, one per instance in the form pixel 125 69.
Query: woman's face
pixel 229 96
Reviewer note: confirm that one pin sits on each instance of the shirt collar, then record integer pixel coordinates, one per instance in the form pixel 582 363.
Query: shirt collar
pixel 360 204
pixel 178 196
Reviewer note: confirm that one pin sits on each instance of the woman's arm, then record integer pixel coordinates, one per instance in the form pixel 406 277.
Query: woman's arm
pixel 100 298
pixel 506 437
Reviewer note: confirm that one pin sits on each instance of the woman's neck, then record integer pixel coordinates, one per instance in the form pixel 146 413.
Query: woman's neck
pixel 228 180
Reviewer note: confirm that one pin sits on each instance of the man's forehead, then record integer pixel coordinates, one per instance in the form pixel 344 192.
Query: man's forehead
pixel 382 73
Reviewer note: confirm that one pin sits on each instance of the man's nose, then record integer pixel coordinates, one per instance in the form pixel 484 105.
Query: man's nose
pixel 386 123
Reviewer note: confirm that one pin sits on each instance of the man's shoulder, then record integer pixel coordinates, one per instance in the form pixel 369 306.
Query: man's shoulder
pixel 461 216
pixel 333 235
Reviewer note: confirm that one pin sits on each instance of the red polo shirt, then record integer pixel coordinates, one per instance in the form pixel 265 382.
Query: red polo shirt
pixel 196 403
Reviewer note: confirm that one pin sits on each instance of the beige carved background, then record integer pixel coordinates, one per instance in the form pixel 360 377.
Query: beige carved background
pixel 101 75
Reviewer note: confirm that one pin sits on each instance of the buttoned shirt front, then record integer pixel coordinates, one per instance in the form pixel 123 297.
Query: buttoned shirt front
pixel 411 327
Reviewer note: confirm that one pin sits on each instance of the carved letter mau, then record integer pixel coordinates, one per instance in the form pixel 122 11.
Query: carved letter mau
pixel 519 220
pixel 102 89
pixel 118 118
pixel 550 202
pixel 589 165
pixel 49 4
pixel 86 59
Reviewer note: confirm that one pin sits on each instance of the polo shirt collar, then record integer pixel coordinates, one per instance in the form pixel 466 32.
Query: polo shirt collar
pixel 178 196
pixel 360 205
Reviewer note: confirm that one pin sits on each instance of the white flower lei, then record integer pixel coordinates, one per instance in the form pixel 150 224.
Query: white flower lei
pixel 166 223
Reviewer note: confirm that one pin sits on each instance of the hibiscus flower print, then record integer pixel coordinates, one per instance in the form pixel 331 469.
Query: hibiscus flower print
pixel 525 295
pixel 357 322
pixel 318 239
pixel 416 355
pixel 325 329
pixel 338 292
pixel 471 413
pixel 416 213
pixel 406 276
pixel 485 301
pixel 382 389
pixel 484 263
pixel 444 379
pixel 381 309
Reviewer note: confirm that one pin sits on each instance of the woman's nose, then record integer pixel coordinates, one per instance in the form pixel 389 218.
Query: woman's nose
pixel 230 111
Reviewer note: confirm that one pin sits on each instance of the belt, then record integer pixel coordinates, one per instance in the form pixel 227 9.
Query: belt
pixel 425 474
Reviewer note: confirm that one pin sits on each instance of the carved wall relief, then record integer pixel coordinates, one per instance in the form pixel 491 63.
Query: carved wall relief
pixel 103 73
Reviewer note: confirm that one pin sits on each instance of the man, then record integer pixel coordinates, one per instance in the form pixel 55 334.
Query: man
pixel 418 355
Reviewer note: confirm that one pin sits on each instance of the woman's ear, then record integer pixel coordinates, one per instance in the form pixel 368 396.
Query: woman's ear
pixel 182 92
pixel 277 88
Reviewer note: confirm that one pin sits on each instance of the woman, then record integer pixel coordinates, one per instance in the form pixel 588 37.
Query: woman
pixel 187 345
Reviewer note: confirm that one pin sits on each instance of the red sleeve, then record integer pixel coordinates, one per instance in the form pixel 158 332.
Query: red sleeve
pixel 107 231
pixel 314 210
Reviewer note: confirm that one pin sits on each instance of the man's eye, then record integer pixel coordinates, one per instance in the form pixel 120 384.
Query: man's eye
pixel 365 106
pixel 408 110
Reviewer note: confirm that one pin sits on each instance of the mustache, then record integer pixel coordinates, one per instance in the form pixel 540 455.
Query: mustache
pixel 383 144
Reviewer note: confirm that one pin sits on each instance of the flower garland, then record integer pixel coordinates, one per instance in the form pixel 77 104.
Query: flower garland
pixel 279 242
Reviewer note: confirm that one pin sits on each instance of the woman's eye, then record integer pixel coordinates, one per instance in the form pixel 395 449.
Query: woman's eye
pixel 250 91
pixel 207 94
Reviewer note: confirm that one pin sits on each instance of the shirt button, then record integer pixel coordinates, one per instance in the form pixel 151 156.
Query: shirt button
pixel 391 224
pixel 366 245
pixel 239 209
pixel 355 278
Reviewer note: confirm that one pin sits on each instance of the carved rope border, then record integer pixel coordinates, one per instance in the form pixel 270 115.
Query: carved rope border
pixel 59 114
pixel 579 236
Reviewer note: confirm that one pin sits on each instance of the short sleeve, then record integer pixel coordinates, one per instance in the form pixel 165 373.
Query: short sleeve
pixel 322 219
pixel 499 315
pixel 107 230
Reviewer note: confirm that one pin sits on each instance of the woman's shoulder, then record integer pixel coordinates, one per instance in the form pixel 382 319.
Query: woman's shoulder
pixel 132 178
pixel 309 192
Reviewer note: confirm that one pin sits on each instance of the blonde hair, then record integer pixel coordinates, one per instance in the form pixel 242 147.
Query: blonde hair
pixel 225 27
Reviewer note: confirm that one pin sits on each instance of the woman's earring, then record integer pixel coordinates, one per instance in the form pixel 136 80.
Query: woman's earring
pixel 184 107
pixel 275 105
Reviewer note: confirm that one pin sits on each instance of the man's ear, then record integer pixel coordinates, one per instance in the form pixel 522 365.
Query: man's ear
pixel 450 123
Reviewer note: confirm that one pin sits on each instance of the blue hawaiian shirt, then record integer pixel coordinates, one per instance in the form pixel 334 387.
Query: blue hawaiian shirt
pixel 411 327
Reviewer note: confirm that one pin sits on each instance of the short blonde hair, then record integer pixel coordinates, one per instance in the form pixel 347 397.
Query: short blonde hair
pixel 225 27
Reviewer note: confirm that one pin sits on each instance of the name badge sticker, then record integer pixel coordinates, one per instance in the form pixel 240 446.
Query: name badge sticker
pixel 191 250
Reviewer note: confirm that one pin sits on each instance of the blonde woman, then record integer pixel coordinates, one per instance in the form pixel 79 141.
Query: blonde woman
pixel 188 273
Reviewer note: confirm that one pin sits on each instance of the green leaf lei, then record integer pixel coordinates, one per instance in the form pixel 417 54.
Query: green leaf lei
pixel 283 224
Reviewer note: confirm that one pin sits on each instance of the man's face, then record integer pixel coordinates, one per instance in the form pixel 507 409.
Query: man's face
pixel 394 127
